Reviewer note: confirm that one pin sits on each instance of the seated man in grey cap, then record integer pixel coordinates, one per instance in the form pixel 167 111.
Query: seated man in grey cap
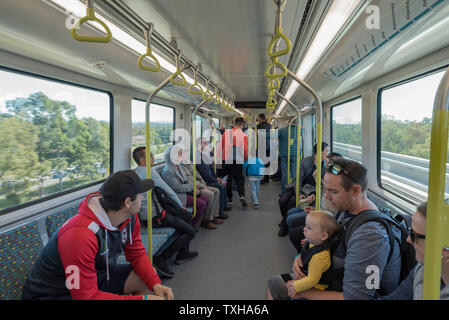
pixel 80 260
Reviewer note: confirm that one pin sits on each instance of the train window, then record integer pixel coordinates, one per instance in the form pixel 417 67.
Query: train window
pixel 216 122
pixel 405 114
pixel 346 129
pixel 55 138
pixel 162 124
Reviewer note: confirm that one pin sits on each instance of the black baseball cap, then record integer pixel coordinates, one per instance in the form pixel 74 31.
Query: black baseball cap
pixel 123 184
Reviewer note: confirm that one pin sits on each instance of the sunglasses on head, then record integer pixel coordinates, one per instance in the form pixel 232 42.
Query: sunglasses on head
pixel 337 169
pixel 414 236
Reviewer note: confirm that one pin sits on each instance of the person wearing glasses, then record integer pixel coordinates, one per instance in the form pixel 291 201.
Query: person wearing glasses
pixel 345 182
pixel 412 286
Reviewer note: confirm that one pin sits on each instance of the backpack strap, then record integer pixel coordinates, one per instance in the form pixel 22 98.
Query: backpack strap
pixel 368 216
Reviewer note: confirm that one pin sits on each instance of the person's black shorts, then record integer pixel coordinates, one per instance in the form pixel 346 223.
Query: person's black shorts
pixel 118 274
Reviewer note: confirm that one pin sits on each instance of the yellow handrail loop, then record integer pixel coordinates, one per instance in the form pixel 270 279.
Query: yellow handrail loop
pixel 90 16
pixel 178 73
pixel 279 35
pixel 195 88
pixel 273 64
pixel 148 32
pixel 273 84
pixel 216 97
pixel 207 95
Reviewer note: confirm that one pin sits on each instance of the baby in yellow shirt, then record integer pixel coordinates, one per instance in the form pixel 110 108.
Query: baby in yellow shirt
pixel 315 256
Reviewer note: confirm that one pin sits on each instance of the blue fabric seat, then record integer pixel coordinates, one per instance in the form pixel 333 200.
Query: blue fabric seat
pixel 19 249
pixel 56 220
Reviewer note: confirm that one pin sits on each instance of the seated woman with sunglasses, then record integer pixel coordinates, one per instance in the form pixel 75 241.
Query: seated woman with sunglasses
pixel 412 286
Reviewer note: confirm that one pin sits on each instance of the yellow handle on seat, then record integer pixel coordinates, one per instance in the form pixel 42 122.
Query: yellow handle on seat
pixel 90 16
pixel 154 59
pixel 277 36
pixel 275 63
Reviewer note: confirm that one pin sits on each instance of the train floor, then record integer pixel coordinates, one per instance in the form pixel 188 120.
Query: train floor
pixel 236 259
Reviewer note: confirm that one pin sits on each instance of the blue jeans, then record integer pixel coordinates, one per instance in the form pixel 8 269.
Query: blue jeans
pixel 295 217
pixel 254 183
pixel 284 171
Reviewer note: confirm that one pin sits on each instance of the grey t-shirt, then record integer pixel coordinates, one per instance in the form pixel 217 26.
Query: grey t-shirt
pixel 366 261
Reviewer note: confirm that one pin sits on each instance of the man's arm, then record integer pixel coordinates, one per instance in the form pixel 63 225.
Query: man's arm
pixel 368 250
pixel 136 254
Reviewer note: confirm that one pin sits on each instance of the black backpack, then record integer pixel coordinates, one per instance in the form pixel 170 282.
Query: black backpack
pixel 340 239
pixel 167 203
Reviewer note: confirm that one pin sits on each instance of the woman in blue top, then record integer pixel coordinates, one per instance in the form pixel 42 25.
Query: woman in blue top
pixel 255 169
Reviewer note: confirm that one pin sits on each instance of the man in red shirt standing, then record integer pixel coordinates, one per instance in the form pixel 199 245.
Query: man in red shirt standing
pixel 234 152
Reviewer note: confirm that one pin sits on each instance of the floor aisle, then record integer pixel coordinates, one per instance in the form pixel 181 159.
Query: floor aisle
pixel 237 258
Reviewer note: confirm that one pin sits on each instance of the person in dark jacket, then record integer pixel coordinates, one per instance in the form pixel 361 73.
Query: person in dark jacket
pixel 265 128
pixel 80 260
pixel 206 170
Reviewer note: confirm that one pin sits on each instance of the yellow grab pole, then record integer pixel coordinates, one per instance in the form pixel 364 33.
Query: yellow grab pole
pixel 437 218
pixel 148 161
pixel 298 145
pixel 194 168
pixel 289 179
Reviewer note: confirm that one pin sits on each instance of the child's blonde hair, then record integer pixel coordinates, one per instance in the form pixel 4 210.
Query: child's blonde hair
pixel 328 223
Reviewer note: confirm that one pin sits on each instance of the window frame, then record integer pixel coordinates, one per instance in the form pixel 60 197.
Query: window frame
pixel 332 118
pixel 379 127
pixel 162 105
pixel 111 137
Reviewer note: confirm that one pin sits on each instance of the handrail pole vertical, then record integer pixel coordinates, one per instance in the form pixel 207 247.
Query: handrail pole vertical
pixel 437 223
pixel 319 133
pixel 148 161
pixel 194 153
pixel 297 143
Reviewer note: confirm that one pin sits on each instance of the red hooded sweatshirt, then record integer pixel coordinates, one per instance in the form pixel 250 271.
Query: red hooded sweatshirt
pixel 78 245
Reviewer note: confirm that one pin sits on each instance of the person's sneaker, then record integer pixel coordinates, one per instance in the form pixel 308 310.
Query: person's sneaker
pixel 161 266
pixel 243 201
pixel 183 257
pixel 223 216
pixel 255 206
pixel 230 202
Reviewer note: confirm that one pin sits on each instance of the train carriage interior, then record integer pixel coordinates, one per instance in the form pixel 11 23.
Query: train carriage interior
pixel 364 76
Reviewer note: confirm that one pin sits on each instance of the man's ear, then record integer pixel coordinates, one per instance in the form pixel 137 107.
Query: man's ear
pixel 356 189
pixel 127 202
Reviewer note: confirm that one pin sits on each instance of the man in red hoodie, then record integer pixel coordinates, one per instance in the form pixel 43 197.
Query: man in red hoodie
pixel 80 260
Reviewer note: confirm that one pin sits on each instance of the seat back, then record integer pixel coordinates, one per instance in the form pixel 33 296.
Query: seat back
pixel 19 249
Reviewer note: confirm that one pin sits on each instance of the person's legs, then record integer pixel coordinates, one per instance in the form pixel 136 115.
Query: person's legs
pixel 284 173
pixel 135 286
pixel 186 234
pixel 296 216
pixel 276 289
pixel 228 171
pixel 209 196
pixel 216 203
pixel 253 188
pixel 296 235
pixel 201 205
